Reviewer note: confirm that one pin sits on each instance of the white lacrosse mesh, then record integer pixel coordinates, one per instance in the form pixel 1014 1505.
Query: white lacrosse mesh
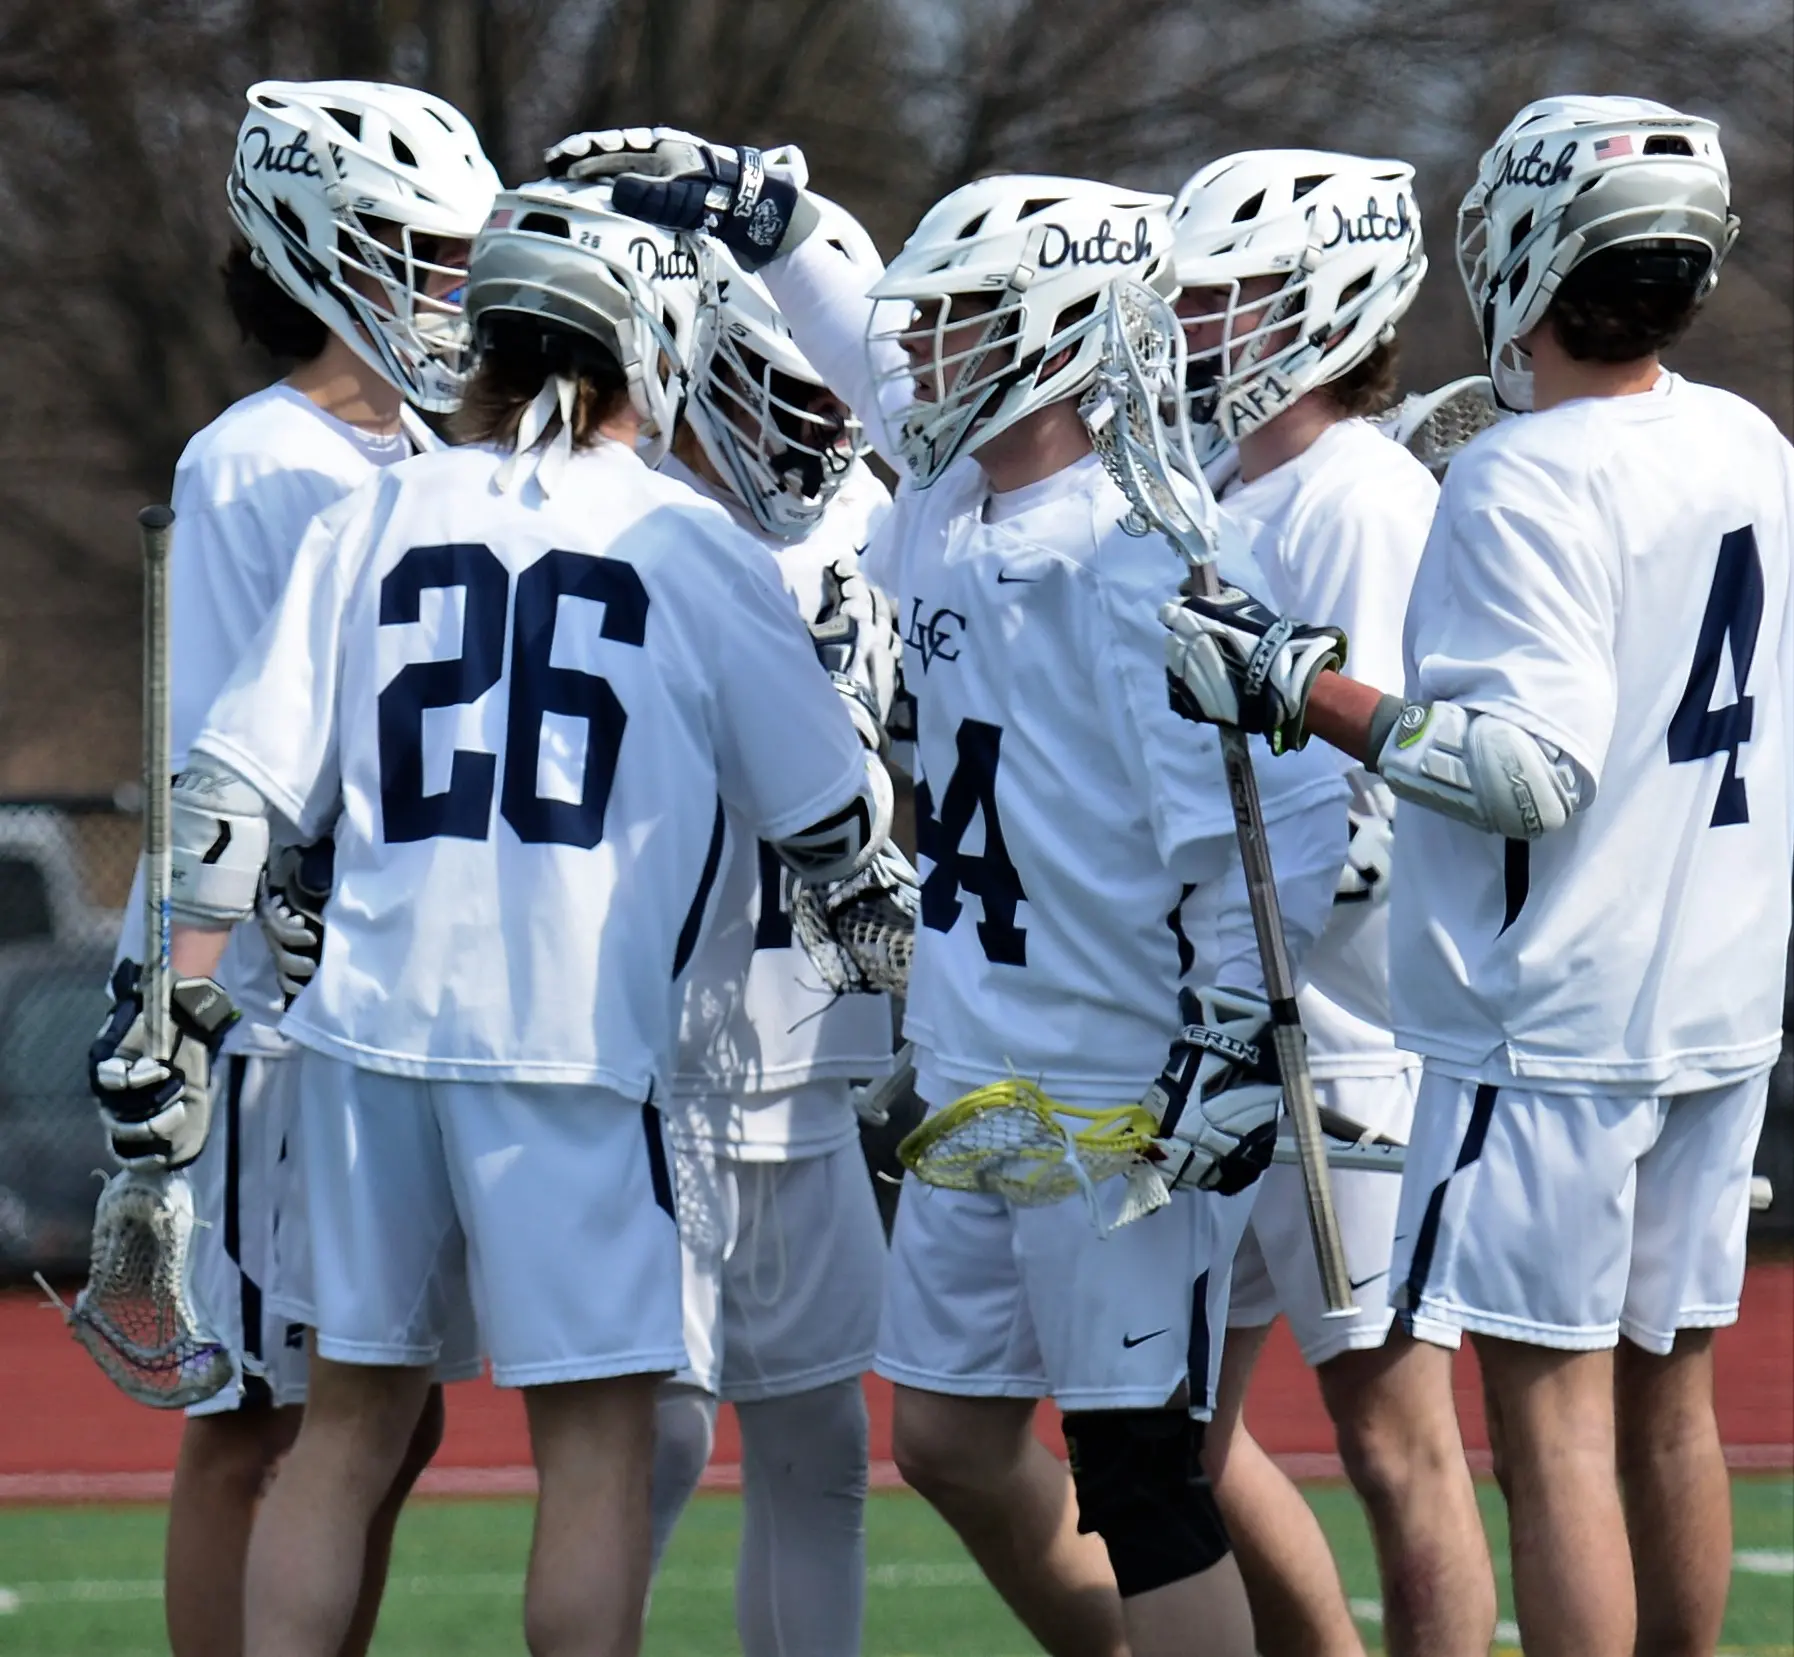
pixel 1434 426
pixel 1139 423
pixel 782 440
pixel 136 1316
pixel 860 933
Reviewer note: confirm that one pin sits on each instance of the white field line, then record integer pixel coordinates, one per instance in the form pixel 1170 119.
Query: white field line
pixel 1764 1561
pixel 1371 1611
pixel 903 1573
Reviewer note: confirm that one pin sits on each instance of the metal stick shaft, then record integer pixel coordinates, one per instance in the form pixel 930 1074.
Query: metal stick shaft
pixel 1280 991
pixel 154 524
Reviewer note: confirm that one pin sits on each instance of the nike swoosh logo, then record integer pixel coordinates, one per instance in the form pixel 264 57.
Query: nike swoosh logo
pixel 1004 578
pixel 1360 1282
pixel 1131 1341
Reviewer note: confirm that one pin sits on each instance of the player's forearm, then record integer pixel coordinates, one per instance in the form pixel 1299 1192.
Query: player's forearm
pixel 195 951
pixel 1343 712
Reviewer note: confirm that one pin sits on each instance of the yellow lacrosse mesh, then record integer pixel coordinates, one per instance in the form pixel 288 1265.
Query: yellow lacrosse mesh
pixel 1010 1140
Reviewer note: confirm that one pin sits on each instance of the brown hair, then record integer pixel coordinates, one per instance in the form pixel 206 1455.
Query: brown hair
pixel 1368 388
pixel 517 355
pixel 265 313
pixel 1628 302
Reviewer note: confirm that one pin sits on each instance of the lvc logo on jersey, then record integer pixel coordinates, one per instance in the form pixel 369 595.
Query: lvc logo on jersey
pixel 936 637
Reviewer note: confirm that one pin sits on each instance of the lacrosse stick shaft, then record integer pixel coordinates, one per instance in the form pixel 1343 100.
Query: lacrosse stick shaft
pixel 1280 991
pixel 154 524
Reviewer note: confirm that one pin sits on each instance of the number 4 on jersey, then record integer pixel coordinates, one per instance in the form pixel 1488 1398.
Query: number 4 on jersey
pixel 990 877
pixel 1698 730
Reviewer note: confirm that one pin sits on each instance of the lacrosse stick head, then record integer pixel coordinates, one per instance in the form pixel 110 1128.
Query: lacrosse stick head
pixel 1139 423
pixel 860 933
pixel 1010 1140
pixel 136 1316
pixel 1432 426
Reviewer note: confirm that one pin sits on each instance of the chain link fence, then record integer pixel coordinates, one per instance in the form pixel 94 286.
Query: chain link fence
pixel 65 873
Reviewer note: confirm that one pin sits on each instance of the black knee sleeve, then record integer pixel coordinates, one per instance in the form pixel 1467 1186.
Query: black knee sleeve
pixel 1141 1488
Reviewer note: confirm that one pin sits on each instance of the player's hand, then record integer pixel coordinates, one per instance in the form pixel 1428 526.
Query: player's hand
pixel 1365 877
pixel 1217 1099
pixel 157 1111
pixel 289 906
pixel 750 200
pixel 1231 661
pixel 855 633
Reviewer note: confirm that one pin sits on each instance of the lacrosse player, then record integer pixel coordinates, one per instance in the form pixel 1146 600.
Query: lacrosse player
pixel 503 661
pixel 366 299
pixel 1590 909
pixel 1296 266
pixel 1081 866
pixel 784 1250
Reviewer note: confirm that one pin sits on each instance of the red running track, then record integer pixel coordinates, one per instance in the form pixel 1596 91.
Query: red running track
pixel 66 1434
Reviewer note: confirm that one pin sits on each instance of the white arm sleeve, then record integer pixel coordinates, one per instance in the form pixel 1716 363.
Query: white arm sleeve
pixel 822 290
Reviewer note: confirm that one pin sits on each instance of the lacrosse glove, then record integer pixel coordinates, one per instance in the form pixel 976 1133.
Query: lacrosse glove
pixel 860 933
pixel 155 1111
pixel 750 200
pixel 289 906
pixel 1231 661
pixel 855 634
pixel 1217 1099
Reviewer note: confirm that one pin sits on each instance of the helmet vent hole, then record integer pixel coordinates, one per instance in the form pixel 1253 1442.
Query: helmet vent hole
pixel 1517 281
pixel 1666 144
pixel 1038 204
pixel 1353 289
pixel 440 119
pixel 1307 182
pixel 546 224
pixel 970 228
pixel 347 119
pixel 1249 207
pixel 401 152
pixel 1522 228
pixel 290 221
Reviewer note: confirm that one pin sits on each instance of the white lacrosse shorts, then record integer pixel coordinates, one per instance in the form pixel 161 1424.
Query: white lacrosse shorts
pixel 241 1199
pixel 1567 1219
pixel 1275 1269
pixel 549 1209
pixel 984 1299
pixel 784 1271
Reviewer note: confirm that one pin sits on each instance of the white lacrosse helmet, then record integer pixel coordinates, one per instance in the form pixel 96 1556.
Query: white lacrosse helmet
pixel 1572 176
pixel 1340 232
pixel 322 168
pixel 1040 252
pixel 554 252
pixel 761 413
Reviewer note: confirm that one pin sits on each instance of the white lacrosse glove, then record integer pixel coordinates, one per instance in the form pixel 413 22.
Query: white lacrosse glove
pixel 157 1111
pixel 855 634
pixel 1217 1099
pixel 1365 877
pixel 751 200
pixel 1233 662
pixel 289 906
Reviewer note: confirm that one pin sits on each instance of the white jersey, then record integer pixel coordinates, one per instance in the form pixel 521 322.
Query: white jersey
pixel 1338 532
pixel 245 490
pixel 1077 844
pixel 757 1019
pixel 528 709
pixel 1612 576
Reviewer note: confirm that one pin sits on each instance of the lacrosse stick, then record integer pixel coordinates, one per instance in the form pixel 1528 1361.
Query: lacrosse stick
pixel 1432 426
pixel 860 933
pixel 136 1316
pixel 872 1103
pixel 1011 1140
pixel 1140 427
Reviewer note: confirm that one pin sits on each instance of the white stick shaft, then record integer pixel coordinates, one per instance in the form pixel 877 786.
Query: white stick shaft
pixel 1372 1158
pixel 154 525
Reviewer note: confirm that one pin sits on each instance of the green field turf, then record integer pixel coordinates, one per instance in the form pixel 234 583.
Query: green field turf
pixel 85 1580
